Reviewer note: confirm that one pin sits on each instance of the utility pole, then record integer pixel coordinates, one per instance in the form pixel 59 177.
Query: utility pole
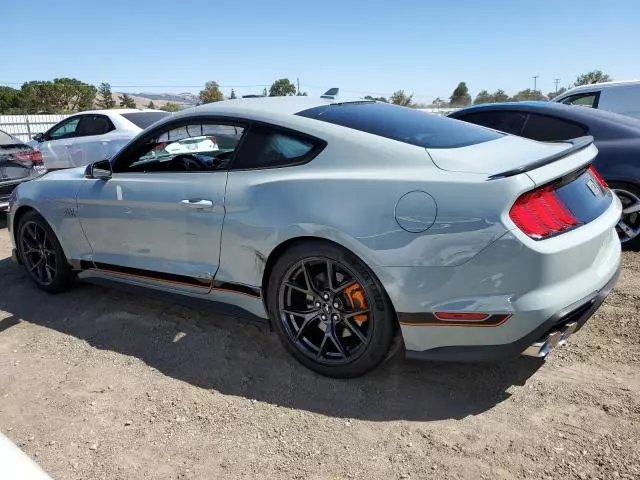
pixel 298 82
pixel 556 81
pixel 535 82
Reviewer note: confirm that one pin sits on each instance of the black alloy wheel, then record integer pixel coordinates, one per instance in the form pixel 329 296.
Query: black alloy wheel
pixel 330 311
pixel 41 254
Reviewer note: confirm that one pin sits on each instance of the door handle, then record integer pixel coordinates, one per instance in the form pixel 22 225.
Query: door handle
pixel 199 204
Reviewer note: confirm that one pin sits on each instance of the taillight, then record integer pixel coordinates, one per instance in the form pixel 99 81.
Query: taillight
pixel 596 174
pixel 29 158
pixel 541 214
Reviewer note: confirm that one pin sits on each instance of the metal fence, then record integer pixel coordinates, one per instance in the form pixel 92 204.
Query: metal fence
pixel 25 127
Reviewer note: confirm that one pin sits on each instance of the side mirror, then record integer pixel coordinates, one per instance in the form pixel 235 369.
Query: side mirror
pixel 100 170
pixel 39 137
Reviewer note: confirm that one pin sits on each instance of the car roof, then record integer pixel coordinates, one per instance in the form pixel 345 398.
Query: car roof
pixel 116 111
pixel 598 86
pixel 245 106
pixel 585 115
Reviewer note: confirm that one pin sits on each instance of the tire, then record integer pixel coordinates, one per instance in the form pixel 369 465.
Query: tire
pixel 358 307
pixel 53 274
pixel 629 195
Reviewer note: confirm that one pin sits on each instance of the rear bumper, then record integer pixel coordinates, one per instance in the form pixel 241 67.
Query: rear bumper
pixel 578 313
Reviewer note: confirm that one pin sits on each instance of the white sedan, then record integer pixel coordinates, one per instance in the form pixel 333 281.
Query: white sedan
pixel 87 137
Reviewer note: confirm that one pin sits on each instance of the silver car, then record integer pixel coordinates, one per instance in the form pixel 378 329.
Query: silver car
pixel 345 224
pixel 87 137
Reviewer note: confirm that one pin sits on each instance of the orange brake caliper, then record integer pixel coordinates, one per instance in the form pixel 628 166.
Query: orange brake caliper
pixel 355 295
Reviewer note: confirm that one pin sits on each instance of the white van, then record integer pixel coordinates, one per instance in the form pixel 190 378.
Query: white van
pixel 618 97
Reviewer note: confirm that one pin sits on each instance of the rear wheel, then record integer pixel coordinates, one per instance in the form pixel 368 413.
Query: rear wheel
pixel 628 227
pixel 42 255
pixel 330 311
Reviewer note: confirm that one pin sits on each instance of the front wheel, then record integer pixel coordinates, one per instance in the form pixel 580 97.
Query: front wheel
pixel 628 227
pixel 42 255
pixel 330 311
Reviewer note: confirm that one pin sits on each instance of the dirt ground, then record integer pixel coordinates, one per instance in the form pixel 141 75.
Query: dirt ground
pixel 103 384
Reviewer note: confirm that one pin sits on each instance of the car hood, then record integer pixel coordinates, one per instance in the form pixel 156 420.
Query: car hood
pixel 505 153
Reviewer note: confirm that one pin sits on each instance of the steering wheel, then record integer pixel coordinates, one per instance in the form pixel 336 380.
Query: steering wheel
pixel 187 163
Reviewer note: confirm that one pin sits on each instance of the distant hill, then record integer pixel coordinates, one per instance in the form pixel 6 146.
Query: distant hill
pixel 185 100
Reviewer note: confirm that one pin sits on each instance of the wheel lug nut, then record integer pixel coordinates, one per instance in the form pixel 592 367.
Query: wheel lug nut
pixel 325 296
pixel 317 304
pixel 335 318
pixel 323 317
pixel 336 305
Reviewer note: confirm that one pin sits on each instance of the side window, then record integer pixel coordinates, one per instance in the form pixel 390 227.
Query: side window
pixel 267 147
pixel 505 121
pixel 195 147
pixel 65 130
pixel 94 125
pixel 583 99
pixel 545 129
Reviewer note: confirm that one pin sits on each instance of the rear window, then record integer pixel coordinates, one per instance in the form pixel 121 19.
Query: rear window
pixel 144 119
pixel 402 124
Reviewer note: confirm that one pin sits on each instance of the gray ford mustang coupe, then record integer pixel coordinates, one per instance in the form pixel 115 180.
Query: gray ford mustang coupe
pixel 344 224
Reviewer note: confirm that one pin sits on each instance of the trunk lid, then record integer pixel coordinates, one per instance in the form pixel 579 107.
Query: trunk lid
pixel 507 154
pixel 15 162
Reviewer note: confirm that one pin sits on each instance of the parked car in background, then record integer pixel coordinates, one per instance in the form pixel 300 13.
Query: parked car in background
pixel 90 136
pixel 616 136
pixel 18 162
pixel 617 97
pixel 344 224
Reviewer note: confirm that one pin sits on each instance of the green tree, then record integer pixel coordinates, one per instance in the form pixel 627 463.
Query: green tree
pixel 211 93
pixel 438 103
pixel 62 95
pixel 105 98
pixel 377 99
pixel 460 96
pixel 595 76
pixel 233 94
pixel 126 101
pixel 151 105
pixel 171 107
pixel 401 98
pixel 10 100
pixel 552 95
pixel 483 97
pixel 500 96
pixel 528 95
pixel 282 88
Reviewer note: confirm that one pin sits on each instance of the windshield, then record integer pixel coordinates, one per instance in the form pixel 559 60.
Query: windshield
pixel 144 119
pixel 402 124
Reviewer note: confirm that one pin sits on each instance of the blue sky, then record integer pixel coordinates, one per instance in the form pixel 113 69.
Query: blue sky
pixel 424 47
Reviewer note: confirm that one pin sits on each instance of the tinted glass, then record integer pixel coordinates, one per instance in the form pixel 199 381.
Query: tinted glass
pixel 583 99
pixel 265 147
pixel 505 121
pixel 197 147
pixel 94 125
pixel 402 124
pixel 67 130
pixel 544 128
pixel 144 119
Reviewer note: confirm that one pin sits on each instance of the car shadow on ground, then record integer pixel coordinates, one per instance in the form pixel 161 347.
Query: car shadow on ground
pixel 238 357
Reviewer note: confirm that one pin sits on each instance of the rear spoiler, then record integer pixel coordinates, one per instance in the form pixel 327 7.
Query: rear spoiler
pixel 577 144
